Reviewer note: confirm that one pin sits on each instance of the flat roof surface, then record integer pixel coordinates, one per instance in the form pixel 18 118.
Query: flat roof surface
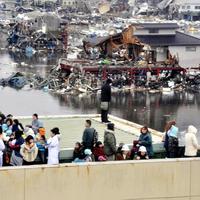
pixel 156 25
pixel 72 129
pixel 180 39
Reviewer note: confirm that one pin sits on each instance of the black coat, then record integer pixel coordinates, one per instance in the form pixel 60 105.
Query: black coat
pixel 106 93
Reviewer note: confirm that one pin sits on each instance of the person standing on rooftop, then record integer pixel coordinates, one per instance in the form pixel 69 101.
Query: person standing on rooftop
pixel 36 123
pixel 89 137
pixel 53 145
pixel 105 100
pixel 110 142
pixel 191 142
pixel 171 139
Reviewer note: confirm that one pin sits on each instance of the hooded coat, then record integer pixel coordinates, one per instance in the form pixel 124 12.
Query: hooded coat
pixel 191 142
pixel 109 143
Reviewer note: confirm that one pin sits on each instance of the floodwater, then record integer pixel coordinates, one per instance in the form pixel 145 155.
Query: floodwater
pixel 140 107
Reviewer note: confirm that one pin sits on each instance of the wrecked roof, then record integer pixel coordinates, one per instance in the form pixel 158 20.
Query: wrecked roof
pixel 95 41
pixel 156 25
pixel 126 37
pixel 180 39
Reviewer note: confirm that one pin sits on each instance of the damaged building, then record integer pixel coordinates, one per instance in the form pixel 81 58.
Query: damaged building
pixel 166 41
pixel 122 45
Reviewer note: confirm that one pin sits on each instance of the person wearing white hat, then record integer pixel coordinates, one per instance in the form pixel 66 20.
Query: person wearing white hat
pixel 88 154
pixel 124 154
pixel 142 153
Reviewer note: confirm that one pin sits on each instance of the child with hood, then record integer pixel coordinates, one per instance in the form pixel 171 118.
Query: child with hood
pixel 191 142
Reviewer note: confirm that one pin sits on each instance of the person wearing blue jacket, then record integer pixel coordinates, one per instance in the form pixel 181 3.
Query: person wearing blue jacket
pixel 145 140
pixel 171 139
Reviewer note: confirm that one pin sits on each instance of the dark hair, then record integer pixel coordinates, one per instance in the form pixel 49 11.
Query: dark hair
pixel 43 137
pixel 108 81
pixel 98 143
pixel 10 120
pixel 145 128
pixel 9 116
pixel 16 121
pixel 169 125
pixel 1 131
pixel 55 131
pixel 36 115
pixel 88 122
pixel 18 134
pixel 110 126
pixel 79 144
pixel 28 138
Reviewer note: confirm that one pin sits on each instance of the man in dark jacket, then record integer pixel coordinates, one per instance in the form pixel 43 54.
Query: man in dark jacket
pixel 110 142
pixel 90 136
pixel 105 100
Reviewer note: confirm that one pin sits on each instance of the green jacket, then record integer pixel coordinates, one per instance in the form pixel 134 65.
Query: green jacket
pixel 109 143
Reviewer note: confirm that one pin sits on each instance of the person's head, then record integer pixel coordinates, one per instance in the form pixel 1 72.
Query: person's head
pixel 170 124
pixel 99 144
pixel 143 150
pixel 43 138
pixel 15 121
pixel 55 131
pixel 111 126
pixel 144 130
pixel 18 134
pixel 108 81
pixel 88 152
pixel 35 116
pixel 9 116
pixel 77 145
pixel 9 122
pixel 29 139
pixel 2 117
pixel 88 123
pixel 192 129
pixel 125 149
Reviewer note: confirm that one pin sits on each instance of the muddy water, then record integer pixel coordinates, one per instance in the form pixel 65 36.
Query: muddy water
pixel 143 108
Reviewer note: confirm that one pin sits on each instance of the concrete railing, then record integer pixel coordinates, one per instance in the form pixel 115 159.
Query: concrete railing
pixel 176 179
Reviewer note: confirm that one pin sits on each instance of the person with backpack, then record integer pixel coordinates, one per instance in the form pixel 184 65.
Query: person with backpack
pixel 90 136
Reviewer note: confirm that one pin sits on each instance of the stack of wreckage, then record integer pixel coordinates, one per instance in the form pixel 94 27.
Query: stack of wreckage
pixel 34 31
pixel 119 56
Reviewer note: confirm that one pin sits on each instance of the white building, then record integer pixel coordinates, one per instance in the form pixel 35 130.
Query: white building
pixel 164 38
pixel 189 9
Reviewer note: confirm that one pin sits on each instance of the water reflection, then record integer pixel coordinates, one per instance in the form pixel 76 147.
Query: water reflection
pixel 141 107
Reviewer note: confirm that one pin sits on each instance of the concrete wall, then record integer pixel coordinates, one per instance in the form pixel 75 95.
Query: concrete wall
pixel 141 180
pixel 186 58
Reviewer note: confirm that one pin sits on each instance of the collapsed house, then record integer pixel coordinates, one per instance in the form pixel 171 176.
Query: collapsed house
pixel 37 31
pixel 122 45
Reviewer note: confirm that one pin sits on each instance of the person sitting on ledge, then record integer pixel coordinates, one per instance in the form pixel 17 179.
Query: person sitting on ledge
pixel 124 154
pixel 142 154
pixel 98 152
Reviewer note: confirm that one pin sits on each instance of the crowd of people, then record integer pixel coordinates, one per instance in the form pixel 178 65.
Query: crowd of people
pixel 28 145
pixel 90 149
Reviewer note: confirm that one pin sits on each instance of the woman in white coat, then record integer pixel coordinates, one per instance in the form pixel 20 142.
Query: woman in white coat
pixel 53 145
pixel 191 142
